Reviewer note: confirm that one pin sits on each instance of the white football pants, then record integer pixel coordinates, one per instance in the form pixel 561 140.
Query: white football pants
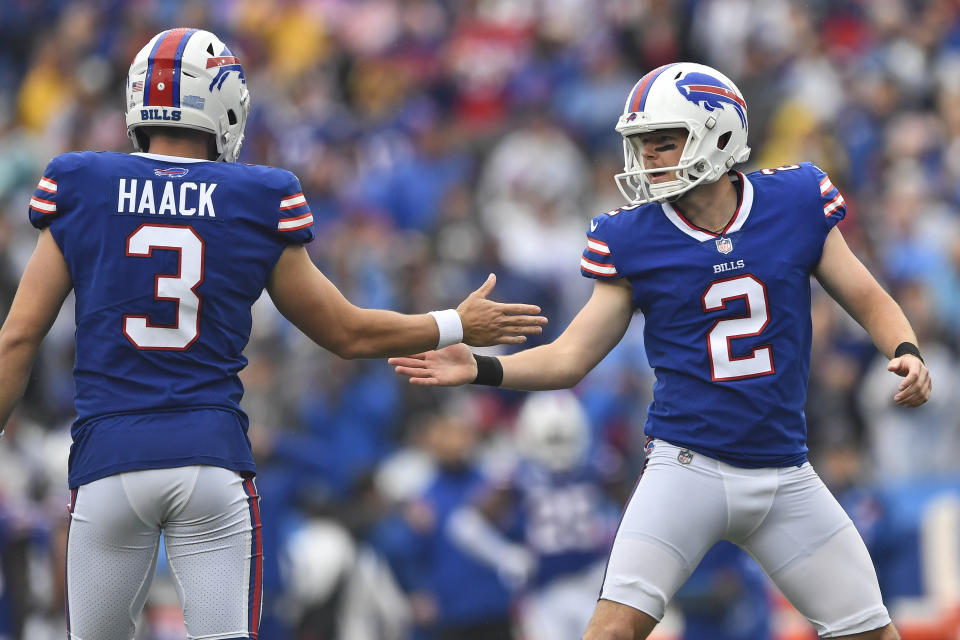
pixel 785 518
pixel 210 518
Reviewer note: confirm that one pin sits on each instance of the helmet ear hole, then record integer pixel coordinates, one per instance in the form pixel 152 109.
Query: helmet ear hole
pixel 210 49
pixel 143 139
pixel 231 117
pixel 723 140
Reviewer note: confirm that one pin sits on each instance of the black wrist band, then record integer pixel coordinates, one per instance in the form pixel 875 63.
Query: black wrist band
pixel 905 348
pixel 489 371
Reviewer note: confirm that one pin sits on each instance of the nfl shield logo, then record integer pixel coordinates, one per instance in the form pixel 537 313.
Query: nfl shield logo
pixel 685 456
pixel 724 245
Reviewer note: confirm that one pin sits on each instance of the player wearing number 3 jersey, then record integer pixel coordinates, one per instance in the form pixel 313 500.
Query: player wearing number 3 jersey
pixel 719 262
pixel 167 249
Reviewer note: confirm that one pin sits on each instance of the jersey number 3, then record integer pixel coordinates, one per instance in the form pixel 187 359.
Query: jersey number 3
pixel 179 288
pixel 723 366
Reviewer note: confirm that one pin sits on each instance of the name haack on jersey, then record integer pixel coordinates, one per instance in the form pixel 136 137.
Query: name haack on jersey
pixel 164 291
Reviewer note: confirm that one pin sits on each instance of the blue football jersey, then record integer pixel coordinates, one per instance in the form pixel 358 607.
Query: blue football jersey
pixel 167 255
pixel 727 316
pixel 564 518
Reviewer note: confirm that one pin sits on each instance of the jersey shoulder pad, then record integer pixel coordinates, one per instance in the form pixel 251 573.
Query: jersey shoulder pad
pixel 51 186
pixel 830 201
pixel 783 175
pixel 293 218
pixel 808 186
pixel 598 260
pixel 611 223
pixel 271 177
pixel 74 160
pixel 295 214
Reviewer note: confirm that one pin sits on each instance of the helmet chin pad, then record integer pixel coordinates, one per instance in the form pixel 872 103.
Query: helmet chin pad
pixel 664 189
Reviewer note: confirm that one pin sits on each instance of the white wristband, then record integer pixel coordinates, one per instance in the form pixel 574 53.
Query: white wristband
pixel 451 329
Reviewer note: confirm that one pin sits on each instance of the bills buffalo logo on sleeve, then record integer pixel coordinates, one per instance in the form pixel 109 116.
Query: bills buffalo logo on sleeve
pixel 227 63
pixel 710 93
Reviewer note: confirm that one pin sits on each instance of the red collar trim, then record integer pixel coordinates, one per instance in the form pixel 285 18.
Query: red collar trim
pixel 738 185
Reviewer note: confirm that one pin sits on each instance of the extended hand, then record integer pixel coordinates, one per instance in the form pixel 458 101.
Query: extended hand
pixel 447 367
pixel 915 388
pixel 487 323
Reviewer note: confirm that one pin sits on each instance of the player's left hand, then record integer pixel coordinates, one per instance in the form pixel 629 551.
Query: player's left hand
pixel 486 323
pixel 447 367
pixel 915 388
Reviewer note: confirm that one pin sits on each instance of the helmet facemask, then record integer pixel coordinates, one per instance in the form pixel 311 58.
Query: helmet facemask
pixel 634 183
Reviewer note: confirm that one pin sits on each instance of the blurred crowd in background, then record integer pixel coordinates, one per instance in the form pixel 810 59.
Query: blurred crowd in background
pixel 438 141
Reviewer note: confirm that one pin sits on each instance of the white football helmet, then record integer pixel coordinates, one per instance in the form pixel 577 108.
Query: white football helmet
pixel 552 430
pixel 188 78
pixel 689 96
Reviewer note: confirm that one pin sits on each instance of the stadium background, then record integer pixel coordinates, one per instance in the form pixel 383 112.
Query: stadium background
pixel 439 140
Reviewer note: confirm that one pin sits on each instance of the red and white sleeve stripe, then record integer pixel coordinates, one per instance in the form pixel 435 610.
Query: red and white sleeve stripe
pixel 295 213
pixel 43 206
pixel 292 202
pixel 48 185
pixel 596 260
pixel 597 268
pixel 41 201
pixel 833 205
pixel 292 224
pixel 827 190
pixel 597 246
pixel 826 186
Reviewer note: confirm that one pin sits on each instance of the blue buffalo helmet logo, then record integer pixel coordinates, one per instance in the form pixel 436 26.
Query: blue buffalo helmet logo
pixel 710 93
pixel 226 62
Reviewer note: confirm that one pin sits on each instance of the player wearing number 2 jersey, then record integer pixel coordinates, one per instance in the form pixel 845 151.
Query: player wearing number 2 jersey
pixel 731 366
pixel 719 263
pixel 167 249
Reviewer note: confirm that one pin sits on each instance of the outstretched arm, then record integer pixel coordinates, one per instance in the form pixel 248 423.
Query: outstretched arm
pixel 43 287
pixel 311 302
pixel 476 535
pixel 848 282
pixel 561 364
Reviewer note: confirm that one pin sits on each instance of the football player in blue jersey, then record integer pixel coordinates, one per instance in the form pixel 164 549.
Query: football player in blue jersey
pixel 719 263
pixel 547 524
pixel 166 250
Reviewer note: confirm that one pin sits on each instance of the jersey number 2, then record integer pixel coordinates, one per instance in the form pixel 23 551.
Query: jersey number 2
pixel 723 366
pixel 179 288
